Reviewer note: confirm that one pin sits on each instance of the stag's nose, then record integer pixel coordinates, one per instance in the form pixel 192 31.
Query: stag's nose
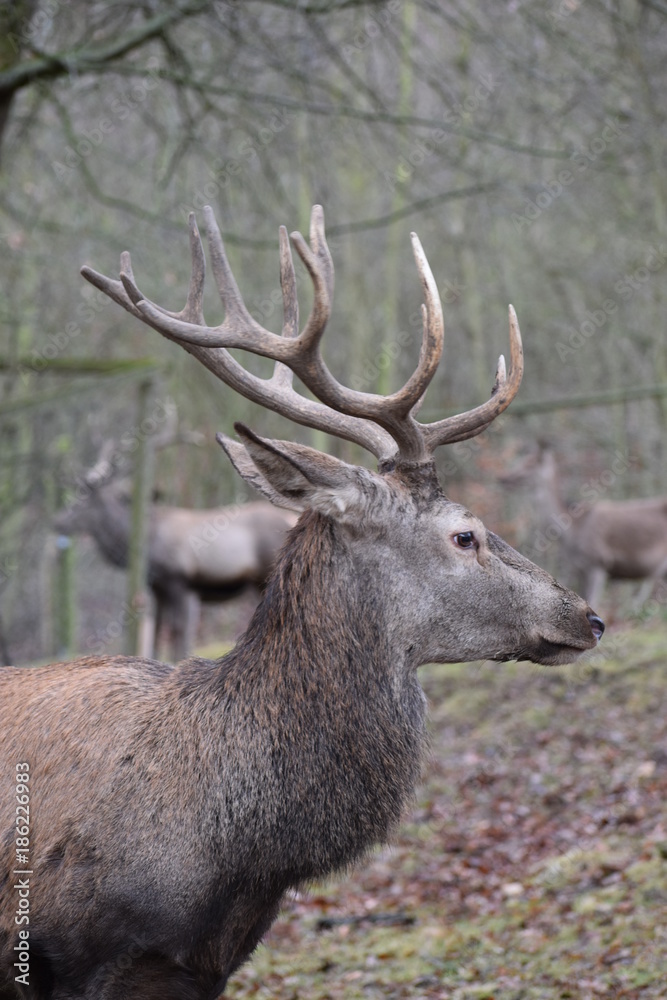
pixel 597 625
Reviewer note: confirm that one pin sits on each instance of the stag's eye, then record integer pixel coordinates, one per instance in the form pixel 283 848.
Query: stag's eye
pixel 465 540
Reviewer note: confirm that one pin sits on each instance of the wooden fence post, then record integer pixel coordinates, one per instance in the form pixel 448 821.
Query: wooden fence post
pixel 63 613
pixel 139 602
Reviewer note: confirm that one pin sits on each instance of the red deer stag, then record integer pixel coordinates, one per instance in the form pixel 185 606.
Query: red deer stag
pixel 602 539
pixel 193 555
pixel 171 808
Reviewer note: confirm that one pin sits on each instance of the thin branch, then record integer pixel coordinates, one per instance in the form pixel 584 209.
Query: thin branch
pixel 322 8
pixel 359 84
pixel 414 208
pixel 384 117
pixel 50 66
pixel 661 8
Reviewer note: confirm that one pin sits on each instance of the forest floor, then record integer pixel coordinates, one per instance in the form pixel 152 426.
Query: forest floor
pixel 533 862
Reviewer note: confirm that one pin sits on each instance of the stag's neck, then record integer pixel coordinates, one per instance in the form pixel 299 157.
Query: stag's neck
pixel 319 600
pixel 324 621
pixel 327 718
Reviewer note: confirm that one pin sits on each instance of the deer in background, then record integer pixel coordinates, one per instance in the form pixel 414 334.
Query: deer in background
pixel 193 555
pixel 173 806
pixel 602 539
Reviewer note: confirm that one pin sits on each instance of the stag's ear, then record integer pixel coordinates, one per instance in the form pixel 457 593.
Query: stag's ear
pixel 295 476
pixel 246 468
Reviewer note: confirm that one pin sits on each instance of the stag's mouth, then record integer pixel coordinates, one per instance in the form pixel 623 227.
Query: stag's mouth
pixel 553 654
pixel 544 652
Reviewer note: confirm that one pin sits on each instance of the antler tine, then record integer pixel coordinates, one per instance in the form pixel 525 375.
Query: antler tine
pixel 127 294
pixel 462 426
pixel 433 337
pixel 105 464
pixel 288 287
pixel 320 247
pixel 229 292
pixel 112 287
pixel 192 311
pixel 282 374
pixel 319 264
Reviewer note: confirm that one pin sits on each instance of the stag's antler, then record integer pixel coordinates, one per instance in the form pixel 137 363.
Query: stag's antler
pixel 384 425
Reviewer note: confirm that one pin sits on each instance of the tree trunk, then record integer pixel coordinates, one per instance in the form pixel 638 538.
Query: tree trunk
pixel 138 598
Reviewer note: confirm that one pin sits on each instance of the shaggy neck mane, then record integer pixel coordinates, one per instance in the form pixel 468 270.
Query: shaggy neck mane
pixel 317 693
pixel 314 597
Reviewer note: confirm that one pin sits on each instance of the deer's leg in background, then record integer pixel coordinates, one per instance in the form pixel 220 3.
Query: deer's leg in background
pixel 148 630
pixel 596 579
pixel 648 585
pixel 643 594
pixel 161 620
pixel 192 616
pixel 183 616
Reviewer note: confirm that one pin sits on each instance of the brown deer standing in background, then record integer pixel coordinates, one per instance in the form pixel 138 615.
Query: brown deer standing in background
pixel 173 807
pixel 602 539
pixel 193 555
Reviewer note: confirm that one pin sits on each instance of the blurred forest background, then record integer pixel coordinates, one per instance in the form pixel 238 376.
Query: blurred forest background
pixel 526 143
